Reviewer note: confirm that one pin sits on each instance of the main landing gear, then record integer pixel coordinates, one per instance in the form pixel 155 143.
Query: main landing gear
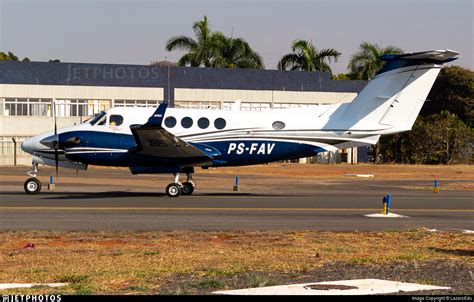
pixel 177 188
pixel 32 185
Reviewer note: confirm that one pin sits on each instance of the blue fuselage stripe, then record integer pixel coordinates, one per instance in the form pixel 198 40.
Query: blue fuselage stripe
pixel 110 149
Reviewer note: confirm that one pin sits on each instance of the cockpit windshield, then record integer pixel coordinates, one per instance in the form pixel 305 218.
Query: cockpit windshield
pixel 97 118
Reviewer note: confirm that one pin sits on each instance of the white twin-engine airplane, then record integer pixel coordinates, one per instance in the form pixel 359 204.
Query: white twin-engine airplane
pixel 174 140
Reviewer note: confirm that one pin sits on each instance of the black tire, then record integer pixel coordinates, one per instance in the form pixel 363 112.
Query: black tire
pixel 173 190
pixel 188 188
pixel 32 186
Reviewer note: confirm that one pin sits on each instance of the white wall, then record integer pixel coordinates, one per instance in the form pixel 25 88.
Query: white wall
pixel 293 97
pixel 80 92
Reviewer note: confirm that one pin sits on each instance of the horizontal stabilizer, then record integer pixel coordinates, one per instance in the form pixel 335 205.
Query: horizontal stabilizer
pixel 432 56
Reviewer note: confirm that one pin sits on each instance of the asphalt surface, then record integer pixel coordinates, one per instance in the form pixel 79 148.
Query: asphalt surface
pixel 280 204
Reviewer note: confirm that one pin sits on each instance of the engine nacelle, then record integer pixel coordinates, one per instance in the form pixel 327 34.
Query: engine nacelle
pixel 63 164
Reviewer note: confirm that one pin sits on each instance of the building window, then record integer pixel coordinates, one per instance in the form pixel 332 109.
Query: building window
pixel 197 105
pixel 187 122
pixel 136 103
pixel 79 107
pixel 219 123
pixel 203 123
pixel 27 107
pixel 170 122
pixel 247 106
pixel 7 146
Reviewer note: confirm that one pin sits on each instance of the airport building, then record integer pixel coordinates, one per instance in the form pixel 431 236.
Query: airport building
pixel 31 93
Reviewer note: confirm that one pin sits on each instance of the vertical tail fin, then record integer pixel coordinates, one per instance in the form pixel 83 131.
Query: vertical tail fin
pixel 394 97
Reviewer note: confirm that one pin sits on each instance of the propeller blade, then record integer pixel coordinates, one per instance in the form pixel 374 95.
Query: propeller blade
pixel 56 161
pixel 56 145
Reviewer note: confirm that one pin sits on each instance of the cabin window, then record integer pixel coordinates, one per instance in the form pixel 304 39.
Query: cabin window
pixel 97 118
pixel 170 122
pixel 102 121
pixel 187 122
pixel 115 120
pixel 203 123
pixel 219 123
pixel 278 125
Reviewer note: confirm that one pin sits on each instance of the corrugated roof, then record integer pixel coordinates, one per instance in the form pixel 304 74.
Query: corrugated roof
pixel 85 74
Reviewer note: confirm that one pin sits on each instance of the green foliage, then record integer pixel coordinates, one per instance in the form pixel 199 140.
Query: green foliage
pixel 439 138
pixel 344 77
pixel 366 62
pixel 305 56
pixel 9 56
pixel 262 281
pixel 214 49
pixel 72 278
pixel 453 91
pixel 209 283
pixel 235 53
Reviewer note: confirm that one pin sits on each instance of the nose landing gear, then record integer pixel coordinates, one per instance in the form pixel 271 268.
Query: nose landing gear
pixel 32 185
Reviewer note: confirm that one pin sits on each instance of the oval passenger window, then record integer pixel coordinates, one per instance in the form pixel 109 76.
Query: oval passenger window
pixel 278 125
pixel 186 122
pixel 203 123
pixel 170 122
pixel 219 123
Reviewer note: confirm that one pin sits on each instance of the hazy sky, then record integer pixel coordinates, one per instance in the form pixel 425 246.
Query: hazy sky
pixel 135 32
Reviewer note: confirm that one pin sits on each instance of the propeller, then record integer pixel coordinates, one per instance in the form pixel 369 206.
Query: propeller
pixel 56 143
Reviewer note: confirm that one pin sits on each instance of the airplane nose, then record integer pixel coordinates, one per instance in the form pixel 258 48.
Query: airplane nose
pixel 50 141
pixel 28 145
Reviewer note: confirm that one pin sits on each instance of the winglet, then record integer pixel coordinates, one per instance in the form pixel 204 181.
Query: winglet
pixel 157 117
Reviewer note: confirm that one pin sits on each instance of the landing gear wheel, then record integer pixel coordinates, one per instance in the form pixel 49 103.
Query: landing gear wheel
pixel 32 185
pixel 174 190
pixel 188 188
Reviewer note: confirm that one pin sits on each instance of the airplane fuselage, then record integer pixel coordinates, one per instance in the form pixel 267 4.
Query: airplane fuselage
pixel 228 137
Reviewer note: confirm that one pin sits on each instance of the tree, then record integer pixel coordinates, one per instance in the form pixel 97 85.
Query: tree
pixel 453 90
pixel 199 51
pixel 234 53
pixel 214 49
pixel 306 57
pixel 366 62
pixel 439 138
pixel 343 76
pixel 9 56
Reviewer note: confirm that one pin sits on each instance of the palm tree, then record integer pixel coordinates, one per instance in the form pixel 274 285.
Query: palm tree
pixel 306 57
pixel 235 53
pixel 200 51
pixel 366 62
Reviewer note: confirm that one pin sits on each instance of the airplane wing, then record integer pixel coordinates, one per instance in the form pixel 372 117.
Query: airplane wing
pixel 152 139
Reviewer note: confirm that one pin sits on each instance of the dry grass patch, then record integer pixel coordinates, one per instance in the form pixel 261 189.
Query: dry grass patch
pixel 127 262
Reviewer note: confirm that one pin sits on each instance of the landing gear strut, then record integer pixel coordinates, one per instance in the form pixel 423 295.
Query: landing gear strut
pixel 177 188
pixel 32 185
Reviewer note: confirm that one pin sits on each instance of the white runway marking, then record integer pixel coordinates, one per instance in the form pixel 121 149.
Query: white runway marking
pixel 382 215
pixel 344 287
